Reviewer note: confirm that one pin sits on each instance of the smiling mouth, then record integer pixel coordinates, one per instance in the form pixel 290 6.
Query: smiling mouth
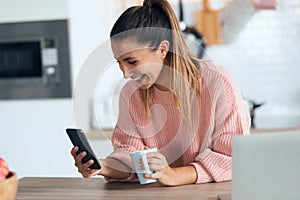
pixel 139 78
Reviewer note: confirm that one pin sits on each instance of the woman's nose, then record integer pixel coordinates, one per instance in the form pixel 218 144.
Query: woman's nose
pixel 127 72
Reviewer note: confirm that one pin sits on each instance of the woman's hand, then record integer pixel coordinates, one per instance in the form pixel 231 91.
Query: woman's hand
pixel 110 168
pixel 168 175
pixel 163 172
pixel 83 168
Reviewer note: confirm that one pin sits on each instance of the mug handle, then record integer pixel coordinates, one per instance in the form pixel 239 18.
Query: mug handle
pixel 145 163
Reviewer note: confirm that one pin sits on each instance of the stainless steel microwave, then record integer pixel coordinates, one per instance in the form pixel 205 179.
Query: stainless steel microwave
pixel 34 60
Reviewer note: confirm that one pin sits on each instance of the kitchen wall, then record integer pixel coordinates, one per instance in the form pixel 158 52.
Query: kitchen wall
pixel 264 59
pixel 32 137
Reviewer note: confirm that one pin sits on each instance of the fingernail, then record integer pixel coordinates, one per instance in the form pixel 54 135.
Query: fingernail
pixel 146 176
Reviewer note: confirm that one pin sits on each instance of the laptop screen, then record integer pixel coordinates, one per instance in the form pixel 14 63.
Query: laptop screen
pixel 265 166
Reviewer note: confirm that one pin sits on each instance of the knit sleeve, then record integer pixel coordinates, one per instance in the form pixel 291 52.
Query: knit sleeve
pixel 124 144
pixel 126 137
pixel 231 117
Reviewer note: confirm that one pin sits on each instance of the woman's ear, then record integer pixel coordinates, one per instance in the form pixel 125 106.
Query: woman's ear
pixel 164 48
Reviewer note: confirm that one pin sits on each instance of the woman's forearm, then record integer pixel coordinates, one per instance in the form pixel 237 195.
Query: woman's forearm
pixel 114 169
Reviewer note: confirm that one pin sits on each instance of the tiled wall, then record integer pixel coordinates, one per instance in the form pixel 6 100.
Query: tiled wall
pixel 265 59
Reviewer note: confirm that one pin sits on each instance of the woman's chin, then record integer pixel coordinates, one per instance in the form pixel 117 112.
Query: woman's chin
pixel 145 86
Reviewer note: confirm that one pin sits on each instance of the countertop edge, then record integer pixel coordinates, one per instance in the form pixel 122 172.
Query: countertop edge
pixel 107 133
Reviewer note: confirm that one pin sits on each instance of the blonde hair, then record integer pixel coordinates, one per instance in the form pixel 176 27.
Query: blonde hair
pixel 185 79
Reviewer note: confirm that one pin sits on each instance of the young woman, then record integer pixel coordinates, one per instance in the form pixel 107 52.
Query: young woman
pixel 188 108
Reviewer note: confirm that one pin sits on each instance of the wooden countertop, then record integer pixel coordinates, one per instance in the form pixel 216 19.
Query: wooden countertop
pixel 40 188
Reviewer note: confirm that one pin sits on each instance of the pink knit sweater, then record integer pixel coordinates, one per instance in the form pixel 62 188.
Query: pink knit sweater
pixel 219 113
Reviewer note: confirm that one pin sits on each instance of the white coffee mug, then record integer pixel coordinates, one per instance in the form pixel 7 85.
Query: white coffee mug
pixel 135 157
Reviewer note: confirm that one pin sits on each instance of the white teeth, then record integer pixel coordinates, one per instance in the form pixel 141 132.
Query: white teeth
pixel 138 78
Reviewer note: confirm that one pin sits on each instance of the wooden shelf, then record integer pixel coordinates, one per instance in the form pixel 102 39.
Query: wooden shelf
pixel 107 133
pixel 258 131
pixel 99 134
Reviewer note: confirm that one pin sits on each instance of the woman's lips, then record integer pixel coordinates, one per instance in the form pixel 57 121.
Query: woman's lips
pixel 139 78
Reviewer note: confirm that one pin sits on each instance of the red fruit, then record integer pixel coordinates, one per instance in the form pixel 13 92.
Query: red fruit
pixel 4 171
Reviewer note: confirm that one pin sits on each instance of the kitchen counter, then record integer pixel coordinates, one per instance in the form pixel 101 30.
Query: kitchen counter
pixel 107 133
pixel 39 188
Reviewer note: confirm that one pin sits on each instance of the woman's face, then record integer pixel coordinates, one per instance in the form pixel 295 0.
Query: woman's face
pixel 142 64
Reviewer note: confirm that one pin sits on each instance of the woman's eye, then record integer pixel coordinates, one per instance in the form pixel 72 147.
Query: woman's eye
pixel 132 62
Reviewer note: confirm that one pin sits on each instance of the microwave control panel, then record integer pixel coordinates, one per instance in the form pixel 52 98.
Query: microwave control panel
pixel 50 62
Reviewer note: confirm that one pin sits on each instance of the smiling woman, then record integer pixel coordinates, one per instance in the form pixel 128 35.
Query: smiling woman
pixel 187 108
pixel 149 60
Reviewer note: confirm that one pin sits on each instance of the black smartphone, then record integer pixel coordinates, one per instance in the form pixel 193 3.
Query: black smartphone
pixel 78 138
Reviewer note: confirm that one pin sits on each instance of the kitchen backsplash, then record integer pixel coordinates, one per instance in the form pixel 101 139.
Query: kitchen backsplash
pixel 265 61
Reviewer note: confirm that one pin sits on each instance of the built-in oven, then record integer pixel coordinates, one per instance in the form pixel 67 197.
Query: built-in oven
pixel 34 60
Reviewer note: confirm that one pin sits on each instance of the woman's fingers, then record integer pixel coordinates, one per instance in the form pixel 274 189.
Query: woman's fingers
pixel 87 164
pixel 155 175
pixel 83 168
pixel 156 161
pixel 89 173
pixel 78 159
pixel 73 151
pixel 156 167
pixel 155 157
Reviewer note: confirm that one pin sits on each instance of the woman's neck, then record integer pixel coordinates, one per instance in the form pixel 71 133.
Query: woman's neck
pixel 163 81
pixel 161 87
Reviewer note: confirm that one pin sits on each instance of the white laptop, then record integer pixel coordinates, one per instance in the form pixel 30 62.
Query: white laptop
pixel 265 167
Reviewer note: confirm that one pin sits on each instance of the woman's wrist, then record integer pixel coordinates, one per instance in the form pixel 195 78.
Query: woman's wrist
pixel 114 169
pixel 186 175
pixel 182 175
pixel 176 176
